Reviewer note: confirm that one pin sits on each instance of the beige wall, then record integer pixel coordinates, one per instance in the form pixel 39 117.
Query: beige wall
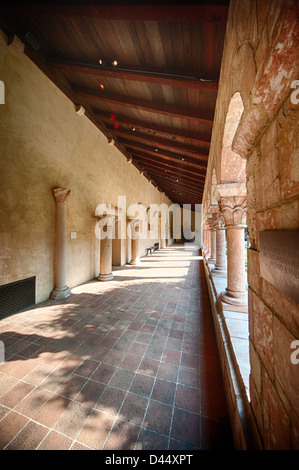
pixel 45 144
pixel 258 62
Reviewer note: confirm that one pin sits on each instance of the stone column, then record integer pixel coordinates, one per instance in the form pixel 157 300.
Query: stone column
pixel 234 212
pixel 212 236
pixel 135 254
pixel 212 258
pixel 220 264
pixel 106 250
pixel 61 290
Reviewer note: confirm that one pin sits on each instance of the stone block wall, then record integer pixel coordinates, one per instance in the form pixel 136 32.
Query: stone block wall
pixel 260 61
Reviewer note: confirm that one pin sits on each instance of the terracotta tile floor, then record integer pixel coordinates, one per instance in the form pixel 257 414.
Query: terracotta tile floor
pixel 129 364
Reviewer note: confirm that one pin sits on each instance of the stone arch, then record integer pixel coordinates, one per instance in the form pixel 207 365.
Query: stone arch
pixel 213 187
pixel 233 166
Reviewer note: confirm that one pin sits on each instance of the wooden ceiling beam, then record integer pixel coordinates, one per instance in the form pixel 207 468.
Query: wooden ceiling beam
pixel 172 176
pixel 169 164
pixel 148 126
pixel 170 188
pixel 202 12
pixel 177 185
pixel 145 105
pixel 138 74
pixel 183 149
pixel 164 155
pixel 165 168
pixel 158 170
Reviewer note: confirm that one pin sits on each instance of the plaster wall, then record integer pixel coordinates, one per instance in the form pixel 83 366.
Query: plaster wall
pixel 45 144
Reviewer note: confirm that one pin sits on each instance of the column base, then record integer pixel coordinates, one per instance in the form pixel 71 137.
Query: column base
pixel 237 301
pixel 59 294
pixel 135 262
pixel 219 272
pixel 105 277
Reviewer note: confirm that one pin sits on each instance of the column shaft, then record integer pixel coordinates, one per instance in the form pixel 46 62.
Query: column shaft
pixel 61 290
pixel 106 255
pixel 221 264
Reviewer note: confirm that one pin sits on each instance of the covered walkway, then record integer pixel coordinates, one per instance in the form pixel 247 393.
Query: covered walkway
pixel 129 364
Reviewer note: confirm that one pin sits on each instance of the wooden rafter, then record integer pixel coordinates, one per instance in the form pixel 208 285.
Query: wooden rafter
pixel 159 170
pixel 141 75
pixel 182 149
pixel 145 105
pixel 166 156
pixel 191 13
pixel 150 127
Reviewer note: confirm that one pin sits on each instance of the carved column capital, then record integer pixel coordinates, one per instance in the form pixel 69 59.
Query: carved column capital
pixel 234 210
pixel 218 219
pixel 61 195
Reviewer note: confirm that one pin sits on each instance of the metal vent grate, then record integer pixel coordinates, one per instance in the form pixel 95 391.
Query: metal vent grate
pixel 17 296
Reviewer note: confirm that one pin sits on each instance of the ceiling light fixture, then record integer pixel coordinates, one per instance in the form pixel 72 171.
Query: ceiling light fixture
pixel 102 86
pixel 133 128
pixel 101 62
pixel 114 63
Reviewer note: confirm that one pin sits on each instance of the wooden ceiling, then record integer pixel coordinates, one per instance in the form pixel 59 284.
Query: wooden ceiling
pixel 157 103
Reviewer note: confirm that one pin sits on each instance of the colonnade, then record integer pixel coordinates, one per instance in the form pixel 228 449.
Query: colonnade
pixel 224 242
pixel 61 290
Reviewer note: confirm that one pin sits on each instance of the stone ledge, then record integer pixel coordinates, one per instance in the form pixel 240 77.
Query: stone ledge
pixel 232 335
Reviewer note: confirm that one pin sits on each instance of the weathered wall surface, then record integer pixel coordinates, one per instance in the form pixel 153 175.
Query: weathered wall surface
pixel 260 62
pixel 45 144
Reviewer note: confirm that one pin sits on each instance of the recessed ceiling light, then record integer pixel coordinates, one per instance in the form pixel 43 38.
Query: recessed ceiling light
pixel 156 150
pixel 114 63
pixel 101 62
pixel 133 128
pixel 102 86
pixel 183 158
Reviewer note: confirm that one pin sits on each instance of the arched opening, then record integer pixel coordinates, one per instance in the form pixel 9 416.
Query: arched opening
pixel 233 167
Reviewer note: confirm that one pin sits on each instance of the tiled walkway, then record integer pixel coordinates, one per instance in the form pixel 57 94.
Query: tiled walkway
pixel 128 364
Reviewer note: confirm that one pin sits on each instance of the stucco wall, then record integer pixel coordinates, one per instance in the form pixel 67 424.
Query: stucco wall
pixel 45 144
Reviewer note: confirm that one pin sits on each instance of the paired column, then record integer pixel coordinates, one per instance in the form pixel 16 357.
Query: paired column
pixel 61 290
pixel 220 268
pixel 106 249
pixel 234 212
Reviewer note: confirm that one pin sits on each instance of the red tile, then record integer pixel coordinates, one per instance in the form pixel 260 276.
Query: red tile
pixel 158 417
pixel 51 411
pixel 164 391
pixel 111 400
pixel 142 385
pixel 17 393
pixel 187 398
pixel 149 367
pixel 103 373
pixel 130 362
pixel 96 430
pixel 55 441
pixel 186 427
pixel 133 409
pixel 29 438
pixel 10 426
pixel 171 356
pixel 123 436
